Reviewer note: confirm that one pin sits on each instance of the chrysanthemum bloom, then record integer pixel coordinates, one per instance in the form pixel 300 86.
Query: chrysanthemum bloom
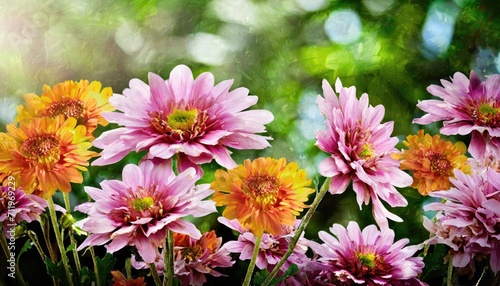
pixel 368 257
pixel 17 206
pixel 361 149
pixel 432 161
pixel 262 194
pixel 140 209
pixel 467 106
pixel 46 154
pixel 468 221
pixel 194 258
pixel 188 117
pixel 120 280
pixel 82 100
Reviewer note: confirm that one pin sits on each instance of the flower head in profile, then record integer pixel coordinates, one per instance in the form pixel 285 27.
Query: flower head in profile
pixel 467 105
pixel 139 209
pixel 353 256
pixel 82 100
pixel 46 154
pixel 16 206
pixel 468 218
pixel 194 259
pixel 182 116
pixel 361 151
pixel 262 194
pixel 432 161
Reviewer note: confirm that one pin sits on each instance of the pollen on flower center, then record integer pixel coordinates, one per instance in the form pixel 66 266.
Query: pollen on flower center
pixel 367 259
pixel 438 162
pixel 486 114
pixel 44 148
pixel 262 188
pixel 179 125
pixel 367 152
pixel 141 204
pixel 69 108
pixel 182 120
pixel 191 253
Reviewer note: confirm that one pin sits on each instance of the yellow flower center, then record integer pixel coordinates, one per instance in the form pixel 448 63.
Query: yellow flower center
pixel 69 108
pixel 486 114
pixel 191 253
pixel 141 204
pixel 367 259
pixel 439 163
pixel 182 120
pixel 367 152
pixel 262 188
pixel 43 148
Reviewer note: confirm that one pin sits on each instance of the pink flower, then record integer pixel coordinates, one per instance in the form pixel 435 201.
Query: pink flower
pixel 468 221
pixel 361 149
pixel 17 206
pixel 139 209
pixel 272 247
pixel 368 257
pixel 194 258
pixel 467 106
pixel 188 117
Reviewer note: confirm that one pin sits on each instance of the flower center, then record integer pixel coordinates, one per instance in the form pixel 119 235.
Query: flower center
pixel 180 125
pixel 486 114
pixel 69 108
pixel 182 120
pixel 439 163
pixel 367 259
pixel 367 152
pixel 141 204
pixel 191 253
pixel 262 188
pixel 43 148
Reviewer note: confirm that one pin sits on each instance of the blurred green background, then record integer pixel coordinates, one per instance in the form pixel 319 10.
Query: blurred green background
pixel 279 49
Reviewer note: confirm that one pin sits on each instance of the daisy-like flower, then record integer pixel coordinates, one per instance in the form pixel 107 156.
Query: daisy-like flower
pixel 468 220
pixel 82 100
pixel 361 151
pixel 368 257
pixel 138 210
pixel 46 154
pixel 17 206
pixel 467 106
pixel 194 258
pixel 271 248
pixel 262 194
pixel 183 116
pixel 432 161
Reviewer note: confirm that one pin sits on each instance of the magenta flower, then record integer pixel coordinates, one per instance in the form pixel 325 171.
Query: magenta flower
pixel 468 221
pixel 194 258
pixel 17 206
pixel 138 210
pixel 361 149
pixel 368 257
pixel 183 116
pixel 467 106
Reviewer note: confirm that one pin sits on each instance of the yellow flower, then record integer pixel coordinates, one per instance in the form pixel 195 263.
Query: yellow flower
pixel 432 161
pixel 82 100
pixel 262 194
pixel 46 154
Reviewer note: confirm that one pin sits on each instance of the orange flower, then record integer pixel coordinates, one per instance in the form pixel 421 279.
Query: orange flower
pixel 46 154
pixel 432 161
pixel 120 280
pixel 80 100
pixel 262 194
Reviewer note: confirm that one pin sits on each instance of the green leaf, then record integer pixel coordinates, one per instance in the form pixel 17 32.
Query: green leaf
pixel 27 246
pixel 56 270
pixel 70 247
pixel 105 265
pixel 261 276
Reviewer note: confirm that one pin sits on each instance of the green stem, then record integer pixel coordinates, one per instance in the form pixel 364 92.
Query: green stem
pixel 450 273
pixel 300 229
pixel 169 259
pixel 32 235
pixel 59 239
pixel 70 233
pixel 251 266
pixel 96 269
pixel 154 273
pixel 45 226
pixel 128 268
pixel 5 246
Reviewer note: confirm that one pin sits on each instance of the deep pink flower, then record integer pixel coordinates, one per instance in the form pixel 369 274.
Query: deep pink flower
pixel 17 206
pixel 361 149
pixel 139 209
pixel 368 257
pixel 188 117
pixel 468 221
pixel 467 106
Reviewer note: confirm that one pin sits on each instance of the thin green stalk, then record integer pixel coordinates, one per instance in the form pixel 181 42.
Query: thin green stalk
pixel 5 247
pixel 59 239
pixel 128 268
pixel 96 269
pixel 32 235
pixel 450 273
pixel 168 259
pixel 154 273
pixel 300 229
pixel 251 266
pixel 45 226
pixel 70 233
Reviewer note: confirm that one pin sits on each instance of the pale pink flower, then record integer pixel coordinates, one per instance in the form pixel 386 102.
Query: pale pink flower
pixel 467 106
pixel 361 148
pixel 468 221
pixel 367 257
pixel 17 206
pixel 183 116
pixel 139 209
